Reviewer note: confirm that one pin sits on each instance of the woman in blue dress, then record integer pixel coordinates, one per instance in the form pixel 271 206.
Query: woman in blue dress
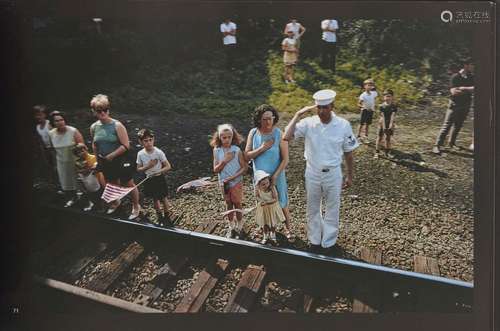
pixel 269 152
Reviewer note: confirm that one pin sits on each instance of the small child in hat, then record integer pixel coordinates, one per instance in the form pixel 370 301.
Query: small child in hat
pixel 386 122
pixel 268 212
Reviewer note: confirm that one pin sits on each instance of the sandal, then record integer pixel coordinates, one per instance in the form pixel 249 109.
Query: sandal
pixel 134 214
pixel 287 233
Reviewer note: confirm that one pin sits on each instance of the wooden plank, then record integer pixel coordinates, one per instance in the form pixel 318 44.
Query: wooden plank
pixel 119 265
pixel 298 302
pixel 84 257
pixel 164 276
pixel 308 303
pixel 207 227
pixel 244 295
pixel 201 289
pixel 427 299
pixel 169 271
pixel 95 296
pixel 426 265
pixel 367 295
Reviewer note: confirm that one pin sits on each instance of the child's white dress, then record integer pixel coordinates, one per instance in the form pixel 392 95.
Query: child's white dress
pixel 268 215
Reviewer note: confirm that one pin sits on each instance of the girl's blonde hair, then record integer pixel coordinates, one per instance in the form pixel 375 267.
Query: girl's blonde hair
pixel 216 142
pixel 100 102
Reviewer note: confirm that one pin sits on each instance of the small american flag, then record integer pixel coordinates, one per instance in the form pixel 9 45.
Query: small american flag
pixel 115 192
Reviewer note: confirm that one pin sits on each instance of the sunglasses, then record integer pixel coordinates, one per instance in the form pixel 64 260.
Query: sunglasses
pixel 322 107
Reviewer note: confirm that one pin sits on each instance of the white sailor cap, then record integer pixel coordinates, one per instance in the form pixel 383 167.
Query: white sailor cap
pixel 260 175
pixel 324 97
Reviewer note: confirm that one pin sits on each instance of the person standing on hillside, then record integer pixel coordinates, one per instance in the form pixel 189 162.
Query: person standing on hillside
pixel 228 30
pixel 329 43
pixel 461 89
pixel 297 29
pixel 328 140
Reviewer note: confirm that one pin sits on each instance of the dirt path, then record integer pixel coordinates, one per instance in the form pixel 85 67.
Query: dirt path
pixel 414 204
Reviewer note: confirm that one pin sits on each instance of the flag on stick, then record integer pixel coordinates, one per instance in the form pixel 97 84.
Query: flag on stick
pixel 201 182
pixel 114 192
pixel 242 211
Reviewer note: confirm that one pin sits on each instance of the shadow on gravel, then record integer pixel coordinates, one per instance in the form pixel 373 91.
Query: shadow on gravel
pixel 409 161
pixel 461 154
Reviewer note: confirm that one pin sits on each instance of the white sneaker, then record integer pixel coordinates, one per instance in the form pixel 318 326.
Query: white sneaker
pixel 135 213
pixel 113 207
pixel 69 203
pixel 89 207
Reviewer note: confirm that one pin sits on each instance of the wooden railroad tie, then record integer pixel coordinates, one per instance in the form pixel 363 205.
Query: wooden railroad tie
pixel 243 297
pixel 79 260
pixel 163 278
pixel 169 271
pixel 118 266
pixel 427 299
pixel 201 289
pixel 367 296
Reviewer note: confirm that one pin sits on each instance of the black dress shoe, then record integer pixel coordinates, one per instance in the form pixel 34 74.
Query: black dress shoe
pixel 316 249
pixel 331 251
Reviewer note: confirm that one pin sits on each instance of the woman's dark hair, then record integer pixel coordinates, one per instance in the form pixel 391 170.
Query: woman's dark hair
pixel 41 109
pixel 257 115
pixel 54 114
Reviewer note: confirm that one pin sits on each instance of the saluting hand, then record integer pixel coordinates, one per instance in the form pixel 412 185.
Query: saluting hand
pixel 306 109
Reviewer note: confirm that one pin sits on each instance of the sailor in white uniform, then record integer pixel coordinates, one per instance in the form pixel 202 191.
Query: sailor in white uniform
pixel 328 139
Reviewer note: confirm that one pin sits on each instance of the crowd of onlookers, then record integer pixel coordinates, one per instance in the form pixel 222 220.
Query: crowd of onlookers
pixel 329 141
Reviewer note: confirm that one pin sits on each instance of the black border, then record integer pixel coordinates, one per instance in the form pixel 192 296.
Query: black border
pixel 16 228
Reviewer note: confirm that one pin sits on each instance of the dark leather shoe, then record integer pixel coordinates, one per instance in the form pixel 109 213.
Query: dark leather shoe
pixel 316 249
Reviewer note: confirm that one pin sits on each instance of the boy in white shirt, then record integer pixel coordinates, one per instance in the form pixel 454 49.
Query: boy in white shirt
pixel 329 43
pixel 366 104
pixel 152 161
pixel 228 30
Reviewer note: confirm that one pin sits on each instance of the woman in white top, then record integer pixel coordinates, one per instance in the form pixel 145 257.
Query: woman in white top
pixel 290 56
pixel 47 153
pixel 64 138
pixel 297 29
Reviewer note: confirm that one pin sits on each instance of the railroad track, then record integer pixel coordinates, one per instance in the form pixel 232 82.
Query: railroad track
pixel 124 265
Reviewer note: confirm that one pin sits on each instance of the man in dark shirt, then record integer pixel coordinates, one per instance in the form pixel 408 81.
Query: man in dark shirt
pixel 461 89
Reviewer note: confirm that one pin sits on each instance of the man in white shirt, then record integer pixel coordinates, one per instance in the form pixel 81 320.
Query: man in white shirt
pixel 297 29
pixel 228 30
pixel 329 43
pixel 328 139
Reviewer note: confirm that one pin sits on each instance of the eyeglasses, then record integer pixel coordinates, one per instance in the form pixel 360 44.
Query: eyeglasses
pixel 268 118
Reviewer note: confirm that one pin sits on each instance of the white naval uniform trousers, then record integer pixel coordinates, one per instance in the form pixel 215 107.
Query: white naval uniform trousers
pixel 323 188
pixel 325 145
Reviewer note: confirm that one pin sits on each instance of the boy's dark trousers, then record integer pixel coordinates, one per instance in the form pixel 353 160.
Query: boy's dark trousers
pixel 328 54
pixel 230 53
pixel 453 121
